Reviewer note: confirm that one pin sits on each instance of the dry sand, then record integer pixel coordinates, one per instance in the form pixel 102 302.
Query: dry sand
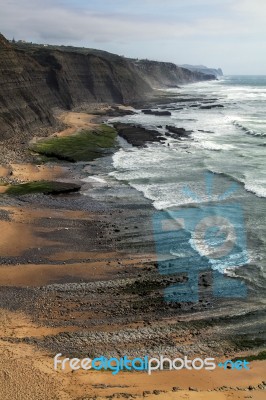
pixel 4 171
pixel 75 121
pixel 30 172
pixel 26 372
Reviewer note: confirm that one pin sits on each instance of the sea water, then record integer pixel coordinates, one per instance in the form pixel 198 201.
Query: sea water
pixel 227 142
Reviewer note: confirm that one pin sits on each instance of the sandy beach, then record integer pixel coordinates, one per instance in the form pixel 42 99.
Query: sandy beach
pixel 78 276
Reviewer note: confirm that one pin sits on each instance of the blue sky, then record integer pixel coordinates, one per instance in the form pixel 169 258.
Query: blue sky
pixel 230 34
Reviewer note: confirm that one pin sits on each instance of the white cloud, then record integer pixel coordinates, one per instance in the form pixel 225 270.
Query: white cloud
pixel 173 28
pixel 51 21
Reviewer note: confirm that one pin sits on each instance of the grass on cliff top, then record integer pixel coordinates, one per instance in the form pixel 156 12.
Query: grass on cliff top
pixel 45 187
pixel 83 146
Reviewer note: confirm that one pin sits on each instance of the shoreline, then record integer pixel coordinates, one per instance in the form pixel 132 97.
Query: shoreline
pixel 53 281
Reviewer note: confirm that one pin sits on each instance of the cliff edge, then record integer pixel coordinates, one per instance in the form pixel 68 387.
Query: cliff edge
pixel 35 80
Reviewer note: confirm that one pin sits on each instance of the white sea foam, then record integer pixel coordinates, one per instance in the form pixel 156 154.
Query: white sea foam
pixel 210 145
pixel 258 190
pixel 218 132
pixel 248 130
pixel 94 178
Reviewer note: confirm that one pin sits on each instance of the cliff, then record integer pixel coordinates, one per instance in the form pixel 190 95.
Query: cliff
pixel 204 70
pixel 24 93
pixel 33 84
pixel 35 80
pixel 164 74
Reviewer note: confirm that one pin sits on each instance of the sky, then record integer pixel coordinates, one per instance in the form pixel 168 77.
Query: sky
pixel 230 34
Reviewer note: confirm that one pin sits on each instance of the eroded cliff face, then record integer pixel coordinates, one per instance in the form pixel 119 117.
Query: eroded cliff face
pixel 77 78
pixel 32 86
pixel 34 81
pixel 205 70
pixel 164 74
pixel 26 100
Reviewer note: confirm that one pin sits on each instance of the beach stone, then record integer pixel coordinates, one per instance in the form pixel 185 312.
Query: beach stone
pixel 146 393
pixel 175 389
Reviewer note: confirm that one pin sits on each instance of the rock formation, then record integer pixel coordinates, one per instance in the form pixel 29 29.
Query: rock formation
pixel 36 80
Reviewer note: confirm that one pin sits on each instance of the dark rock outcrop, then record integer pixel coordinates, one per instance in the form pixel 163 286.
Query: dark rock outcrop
pixel 177 132
pixel 157 113
pixel 137 135
pixel 210 106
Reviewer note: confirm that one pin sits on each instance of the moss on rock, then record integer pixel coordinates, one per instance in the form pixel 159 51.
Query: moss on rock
pixel 83 146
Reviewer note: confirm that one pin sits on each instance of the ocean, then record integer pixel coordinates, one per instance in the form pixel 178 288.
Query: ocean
pixel 223 157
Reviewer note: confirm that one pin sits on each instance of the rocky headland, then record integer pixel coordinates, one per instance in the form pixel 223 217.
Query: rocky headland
pixel 37 81
pixel 79 272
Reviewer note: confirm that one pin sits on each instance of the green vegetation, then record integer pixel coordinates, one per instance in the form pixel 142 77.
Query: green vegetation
pixel 83 146
pixel 45 187
pixel 260 356
pixel 244 343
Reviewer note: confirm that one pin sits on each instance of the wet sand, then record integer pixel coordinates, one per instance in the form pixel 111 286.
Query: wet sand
pixel 28 370
pixel 78 275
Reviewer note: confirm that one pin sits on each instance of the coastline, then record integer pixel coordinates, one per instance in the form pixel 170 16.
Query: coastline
pixel 59 296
